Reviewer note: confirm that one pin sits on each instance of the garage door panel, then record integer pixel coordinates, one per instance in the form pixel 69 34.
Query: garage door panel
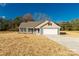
pixel 50 31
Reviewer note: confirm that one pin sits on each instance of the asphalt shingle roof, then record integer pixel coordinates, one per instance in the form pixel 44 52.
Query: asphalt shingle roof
pixel 33 24
pixel 30 24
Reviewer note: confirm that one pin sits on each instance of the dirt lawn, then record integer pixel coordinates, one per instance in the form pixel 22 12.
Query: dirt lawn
pixel 16 44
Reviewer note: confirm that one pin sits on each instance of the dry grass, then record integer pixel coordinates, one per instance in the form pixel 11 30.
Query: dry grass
pixel 72 33
pixel 15 44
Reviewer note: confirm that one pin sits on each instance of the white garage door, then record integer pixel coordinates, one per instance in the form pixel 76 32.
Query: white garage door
pixel 50 31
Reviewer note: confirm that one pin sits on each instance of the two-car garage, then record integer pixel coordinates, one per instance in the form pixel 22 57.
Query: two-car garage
pixel 50 31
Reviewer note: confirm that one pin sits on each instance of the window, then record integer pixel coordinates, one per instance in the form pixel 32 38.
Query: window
pixel 23 29
pixel 30 29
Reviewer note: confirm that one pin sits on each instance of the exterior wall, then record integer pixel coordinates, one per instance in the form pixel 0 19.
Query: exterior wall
pixel 46 26
pixel 49 26
pixel 58 31
pixel 41 31
pixel 20 30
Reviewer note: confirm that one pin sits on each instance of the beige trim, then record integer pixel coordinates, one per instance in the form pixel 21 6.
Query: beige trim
pixel 55 24
pixel 41 24
pixel 44 23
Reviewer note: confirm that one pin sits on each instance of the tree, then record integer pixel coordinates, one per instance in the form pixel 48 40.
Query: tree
pixel 65 26
pixel 27 17
pixel 41 16
pixel 71 25
pixel 18 20
pixel 14 24
pixel 3 24
pixel 75 24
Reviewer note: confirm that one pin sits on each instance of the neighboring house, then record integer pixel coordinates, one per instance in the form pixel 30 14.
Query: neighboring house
pixel 39 27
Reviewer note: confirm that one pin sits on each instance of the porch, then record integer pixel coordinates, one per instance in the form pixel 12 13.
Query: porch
pixel 30 30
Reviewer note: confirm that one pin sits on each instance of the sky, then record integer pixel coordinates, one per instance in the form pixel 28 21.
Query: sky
pixel 57 11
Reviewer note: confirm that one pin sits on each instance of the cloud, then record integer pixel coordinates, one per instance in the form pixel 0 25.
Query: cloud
pixel 3 17
pixel 2 4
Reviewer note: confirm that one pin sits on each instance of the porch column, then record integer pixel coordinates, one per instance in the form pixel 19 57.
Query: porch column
pixel 32 30
pixel 41 30
pixel 26 30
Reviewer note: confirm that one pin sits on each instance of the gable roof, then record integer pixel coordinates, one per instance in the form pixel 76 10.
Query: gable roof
pixel 43 24
pixel 35 24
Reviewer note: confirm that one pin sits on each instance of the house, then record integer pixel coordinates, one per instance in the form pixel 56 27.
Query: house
pixel 39 27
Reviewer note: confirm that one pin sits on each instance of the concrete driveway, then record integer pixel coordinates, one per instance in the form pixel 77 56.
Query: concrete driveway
pixel 69 42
